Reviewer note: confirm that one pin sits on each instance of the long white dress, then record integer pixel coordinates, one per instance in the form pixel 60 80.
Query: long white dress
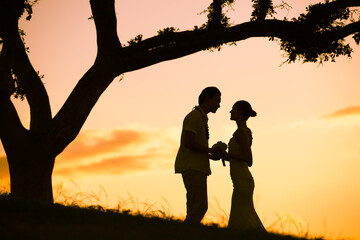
pixel 242 215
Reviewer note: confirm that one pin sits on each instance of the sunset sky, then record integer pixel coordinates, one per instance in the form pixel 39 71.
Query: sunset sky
pixel 306 136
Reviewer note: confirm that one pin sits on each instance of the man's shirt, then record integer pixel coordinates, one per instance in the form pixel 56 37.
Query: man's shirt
pixel 188 159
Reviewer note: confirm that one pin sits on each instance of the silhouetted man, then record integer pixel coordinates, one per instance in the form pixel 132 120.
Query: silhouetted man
pixel 192 159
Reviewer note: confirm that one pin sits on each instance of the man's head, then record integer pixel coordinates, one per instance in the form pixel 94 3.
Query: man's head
pixel 210 99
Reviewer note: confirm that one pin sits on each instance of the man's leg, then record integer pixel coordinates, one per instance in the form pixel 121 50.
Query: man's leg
pixel 196 195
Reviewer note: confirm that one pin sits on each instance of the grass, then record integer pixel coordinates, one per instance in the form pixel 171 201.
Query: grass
pixel 33 221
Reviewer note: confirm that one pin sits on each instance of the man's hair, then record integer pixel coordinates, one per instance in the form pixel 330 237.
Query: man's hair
pixel 208 92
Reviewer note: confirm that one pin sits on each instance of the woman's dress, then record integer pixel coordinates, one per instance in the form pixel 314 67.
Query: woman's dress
pixel 242 215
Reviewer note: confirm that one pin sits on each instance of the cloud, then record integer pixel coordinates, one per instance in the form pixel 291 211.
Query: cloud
pixel 93 143
pixel 348 111
pixel 154 159
pixel 118 152
pixel 116 165
pixel 4 168
pixel 114 151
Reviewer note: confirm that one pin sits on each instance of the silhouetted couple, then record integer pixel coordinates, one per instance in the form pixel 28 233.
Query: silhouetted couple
pixel 192 161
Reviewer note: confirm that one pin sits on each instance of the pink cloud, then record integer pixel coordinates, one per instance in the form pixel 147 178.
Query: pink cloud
pixel 352 110
pixel 116 165
pixel 86 145
pixel 154 158
pixel 117 152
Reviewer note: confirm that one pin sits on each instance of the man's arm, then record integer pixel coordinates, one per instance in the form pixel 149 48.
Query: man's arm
pixel 189 141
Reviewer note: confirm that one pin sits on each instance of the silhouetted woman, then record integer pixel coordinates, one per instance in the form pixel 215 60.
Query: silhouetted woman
pixel 242 215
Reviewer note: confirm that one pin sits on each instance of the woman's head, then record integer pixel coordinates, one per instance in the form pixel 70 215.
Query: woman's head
pixel 243 110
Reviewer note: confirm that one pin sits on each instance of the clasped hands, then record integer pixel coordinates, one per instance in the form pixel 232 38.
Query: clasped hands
pixel 218 151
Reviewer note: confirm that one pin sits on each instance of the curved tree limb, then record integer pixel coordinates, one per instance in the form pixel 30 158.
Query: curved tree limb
pixel 319 33
pixel 71 117
pixel 32 85
pixel 105 23
pixel 113 60
pixel 179 44
pixel 344 32
pixel 334 6
pixel 11 129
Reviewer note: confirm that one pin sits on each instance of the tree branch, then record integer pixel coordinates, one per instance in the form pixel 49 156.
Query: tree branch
pixel 334 6
pixel 113 61
pixel 105 23
pixel 216 14
pixel 345 31
pixel 179 44
pixel 73 114
pixel 71 117
pixel 34 89
pixel 11 128
pixel 12 132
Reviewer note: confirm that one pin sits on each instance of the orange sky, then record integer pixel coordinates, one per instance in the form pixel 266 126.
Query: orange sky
pixel 306 135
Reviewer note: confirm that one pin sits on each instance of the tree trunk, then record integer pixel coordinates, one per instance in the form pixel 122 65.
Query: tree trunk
pixel 30 176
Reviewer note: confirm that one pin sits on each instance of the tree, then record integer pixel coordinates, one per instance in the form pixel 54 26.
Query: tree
pixel 315 36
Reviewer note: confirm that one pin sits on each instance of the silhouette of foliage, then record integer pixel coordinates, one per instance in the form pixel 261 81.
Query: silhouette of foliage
pixel 135 40
pixel 19 92
pixel 315 36
pixel 357 38
pixel 22 35
pixel 316 45
pixel 28 5
pixel 282 6
pixel 167 30
pixel 215 15
pixel 262 8
pixel 217 19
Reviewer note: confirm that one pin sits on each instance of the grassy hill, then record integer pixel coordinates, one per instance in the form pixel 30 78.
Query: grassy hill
pixel 29 221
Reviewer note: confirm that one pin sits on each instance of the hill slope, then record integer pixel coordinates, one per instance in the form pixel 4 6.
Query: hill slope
pixel 58 222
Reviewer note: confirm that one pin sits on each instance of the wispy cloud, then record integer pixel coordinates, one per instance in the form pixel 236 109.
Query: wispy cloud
pixel 94 143
pixel 348 111
pixel 114 151
pixel 118 152
pixel 116 165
